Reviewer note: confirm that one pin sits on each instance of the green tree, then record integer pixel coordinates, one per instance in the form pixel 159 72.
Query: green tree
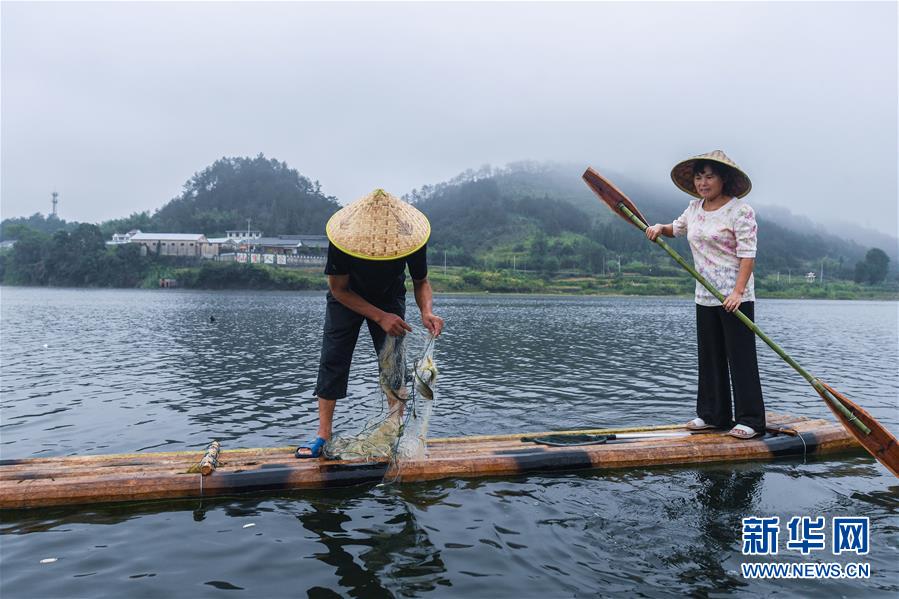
pixel 25 262
pixel 874 269
pixel 86 246
pixel 590 255
pixel 551 265
pixel 538 251
pixel 79 258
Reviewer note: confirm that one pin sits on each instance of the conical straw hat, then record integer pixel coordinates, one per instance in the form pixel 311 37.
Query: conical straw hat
pixel 378 226
pixel 682 174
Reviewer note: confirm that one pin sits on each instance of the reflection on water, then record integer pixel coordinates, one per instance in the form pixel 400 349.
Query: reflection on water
pixel 110 371
pixel 393 547
pixel 722 498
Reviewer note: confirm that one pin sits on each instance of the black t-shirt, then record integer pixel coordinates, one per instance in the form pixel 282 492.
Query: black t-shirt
pixel 377 280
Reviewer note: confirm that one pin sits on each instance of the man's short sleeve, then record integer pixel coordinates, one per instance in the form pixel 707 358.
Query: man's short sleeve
pixel 418 263
pixel 338 262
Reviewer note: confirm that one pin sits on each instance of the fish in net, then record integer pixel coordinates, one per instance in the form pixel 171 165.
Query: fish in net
pixel 378 437
pixel 413 442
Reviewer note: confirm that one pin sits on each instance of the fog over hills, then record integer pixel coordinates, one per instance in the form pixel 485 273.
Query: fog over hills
pixel 488 208
pixel 863 236
pixel 487 212
pixel 562 181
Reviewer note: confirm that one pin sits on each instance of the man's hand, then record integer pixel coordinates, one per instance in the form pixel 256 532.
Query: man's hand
pixel 423 297
pixel 433 323
pixel 732 301
pixel 393 325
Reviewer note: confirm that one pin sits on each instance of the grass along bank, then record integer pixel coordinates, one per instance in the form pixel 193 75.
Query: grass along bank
pixel 215 275
pixel 628 283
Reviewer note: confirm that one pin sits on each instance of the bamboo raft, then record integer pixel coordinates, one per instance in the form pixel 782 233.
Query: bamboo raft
pixel 41 482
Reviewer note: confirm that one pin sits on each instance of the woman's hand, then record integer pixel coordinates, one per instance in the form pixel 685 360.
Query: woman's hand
pixel 393 325
pixel 433 323
pixel 654 231
pixel 732 301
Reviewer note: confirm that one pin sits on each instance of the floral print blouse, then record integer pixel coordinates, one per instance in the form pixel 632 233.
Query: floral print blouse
pixel 718 240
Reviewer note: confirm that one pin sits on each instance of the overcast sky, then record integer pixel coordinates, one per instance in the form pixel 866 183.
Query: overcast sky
pixel 116 105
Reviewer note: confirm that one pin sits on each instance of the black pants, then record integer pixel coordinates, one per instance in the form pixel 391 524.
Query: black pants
pixel 727 354
pixel 339 341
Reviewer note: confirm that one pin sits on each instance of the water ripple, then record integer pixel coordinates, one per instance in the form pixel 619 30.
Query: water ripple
pixel 116 371
pixel 125 367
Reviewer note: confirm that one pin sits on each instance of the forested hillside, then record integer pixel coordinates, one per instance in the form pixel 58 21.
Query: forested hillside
pixel 546 218
pixel 276 199
pixel 528 216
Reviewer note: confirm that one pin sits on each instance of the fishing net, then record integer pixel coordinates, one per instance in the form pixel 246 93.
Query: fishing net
pixel 413 442
pixel 383 434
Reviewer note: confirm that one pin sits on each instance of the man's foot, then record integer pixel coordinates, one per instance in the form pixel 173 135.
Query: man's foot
pixel 311 449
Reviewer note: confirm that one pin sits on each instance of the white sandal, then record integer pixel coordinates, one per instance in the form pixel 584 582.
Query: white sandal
pixel 698 424
pixel 741 431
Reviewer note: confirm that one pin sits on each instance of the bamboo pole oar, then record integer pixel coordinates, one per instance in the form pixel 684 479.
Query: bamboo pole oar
pixel 872 435
pixel 586 431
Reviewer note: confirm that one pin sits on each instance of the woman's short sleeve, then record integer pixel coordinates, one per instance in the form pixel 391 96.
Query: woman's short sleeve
pixel 746 232
pixel 680 223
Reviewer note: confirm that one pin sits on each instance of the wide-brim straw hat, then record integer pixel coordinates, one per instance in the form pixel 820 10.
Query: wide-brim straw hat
pixel 378 226
pixel 682 174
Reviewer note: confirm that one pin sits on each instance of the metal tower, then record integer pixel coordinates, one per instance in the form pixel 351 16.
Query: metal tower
pixel 55 202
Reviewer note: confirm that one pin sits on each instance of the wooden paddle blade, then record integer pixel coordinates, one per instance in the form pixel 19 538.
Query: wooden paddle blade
pixel 880 443
pixel 611 195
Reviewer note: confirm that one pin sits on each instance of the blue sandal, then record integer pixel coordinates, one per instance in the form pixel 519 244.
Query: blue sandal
pixel 315 447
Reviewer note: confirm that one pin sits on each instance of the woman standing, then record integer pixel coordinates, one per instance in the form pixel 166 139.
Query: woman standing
pixel 721 229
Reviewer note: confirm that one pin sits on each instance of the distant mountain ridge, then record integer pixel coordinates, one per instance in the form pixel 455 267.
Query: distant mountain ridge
pixel 859 234
pixel 538 214
pixel 484 210
pixel 570 187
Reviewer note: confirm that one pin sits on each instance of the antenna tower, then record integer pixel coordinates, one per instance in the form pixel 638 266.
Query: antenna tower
pixel 55 202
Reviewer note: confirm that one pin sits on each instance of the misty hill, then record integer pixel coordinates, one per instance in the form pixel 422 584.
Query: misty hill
pixel 564 182
pixel 276 199
pixel 538 216
pixel 532 209
pixel 862 235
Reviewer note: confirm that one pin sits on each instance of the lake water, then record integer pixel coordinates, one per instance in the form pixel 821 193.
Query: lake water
pixel 108 371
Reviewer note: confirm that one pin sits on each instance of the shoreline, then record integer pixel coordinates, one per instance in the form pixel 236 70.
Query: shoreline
pixel 217 276
pixel 632 280
pixel 873 297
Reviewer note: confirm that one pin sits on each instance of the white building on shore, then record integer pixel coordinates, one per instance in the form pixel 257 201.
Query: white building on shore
pixel 301 249
pixel 175 244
